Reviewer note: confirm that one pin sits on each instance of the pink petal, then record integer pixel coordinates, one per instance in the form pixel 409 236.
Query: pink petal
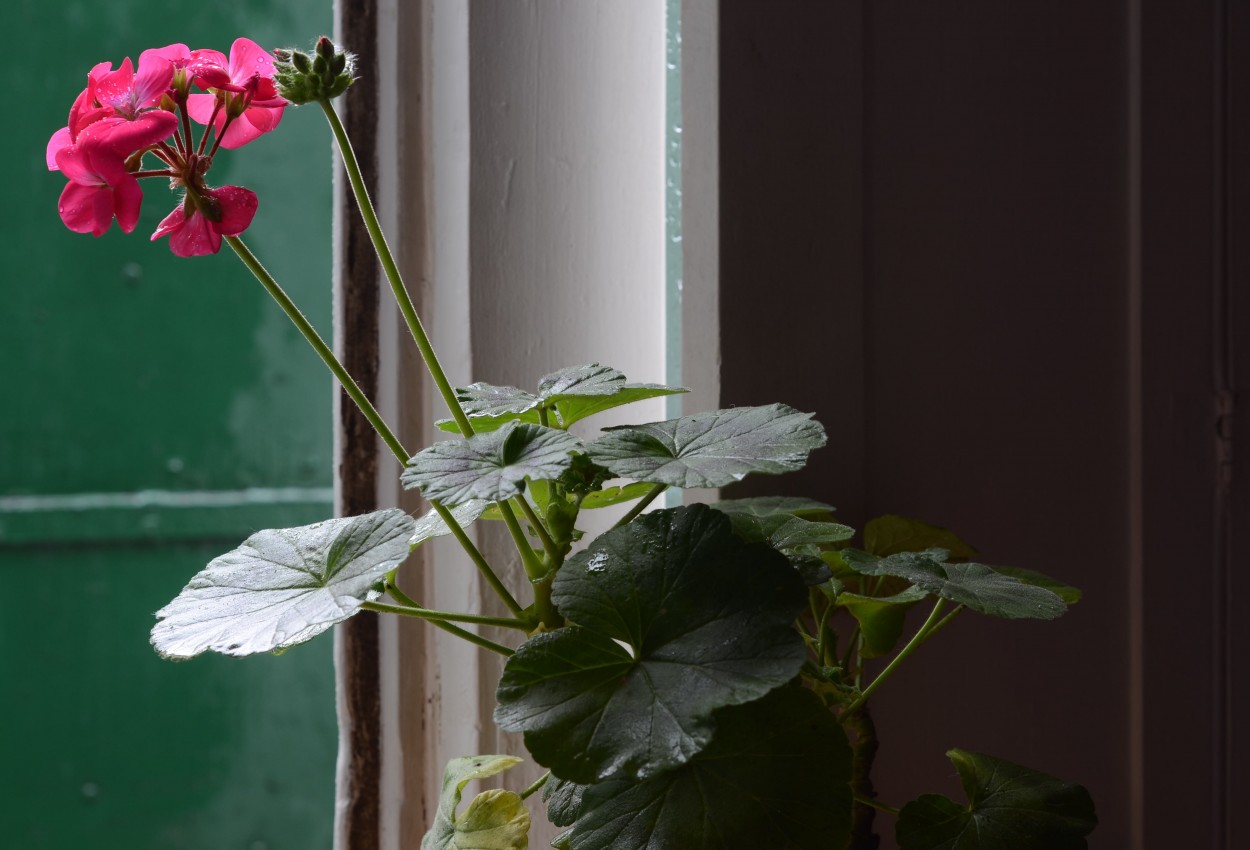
pixel 240 132
pixel 170 223
pixel 156 74
pixel 86 209
pixel 248 59
pixel 127 199
pixel 210 68
pixel 124 137
pixel 115 88
pixel 195 238
pixel 189 236
pixel 238 207
pixel 179 54
pixel 200 107
pixel 60 139
pixel 76 165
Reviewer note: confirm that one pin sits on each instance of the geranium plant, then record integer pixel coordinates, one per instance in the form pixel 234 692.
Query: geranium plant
pixel 692 678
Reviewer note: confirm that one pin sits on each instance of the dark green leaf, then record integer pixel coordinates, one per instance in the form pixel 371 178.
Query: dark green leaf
pixel 811 567
pixel 563 799
pixel 977 586
pixel 710 449
pixel 283 586
pixel 890 535
pixel 708 622
pixel 1067 593
pixel 762 506
pixel 1010 808
pixel 880 619
pixel 494 820
pixel 491 466
pixel 775 776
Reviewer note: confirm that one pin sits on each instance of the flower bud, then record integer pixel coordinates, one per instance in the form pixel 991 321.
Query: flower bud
pixel 301 78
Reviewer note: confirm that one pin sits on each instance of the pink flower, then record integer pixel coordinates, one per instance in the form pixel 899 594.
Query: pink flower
pixel 196 226
pixel 84 112
pixel 100 187
pixel 247 104
pixel 130 94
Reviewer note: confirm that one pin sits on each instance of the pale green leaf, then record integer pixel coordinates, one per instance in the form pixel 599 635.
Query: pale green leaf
pixel 283 586
pixel 492 466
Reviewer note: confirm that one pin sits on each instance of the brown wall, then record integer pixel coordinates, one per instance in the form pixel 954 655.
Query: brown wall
pixel 994 246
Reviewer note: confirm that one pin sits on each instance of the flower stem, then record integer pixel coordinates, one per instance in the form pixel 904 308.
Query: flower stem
pixel 444 625
pixel 917 639
pixel 392 270
pixel 642 504
pixel 323 351
pixel 366 407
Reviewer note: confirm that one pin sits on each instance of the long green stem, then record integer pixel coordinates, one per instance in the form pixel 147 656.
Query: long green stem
pixel 879 806
pixel 366 407
pixel 446 616
pixel 392 270
pixel 642 504
pixel 549 545
pixel 534 567
pixel 449 628
pixel 912 645
pixel 324 351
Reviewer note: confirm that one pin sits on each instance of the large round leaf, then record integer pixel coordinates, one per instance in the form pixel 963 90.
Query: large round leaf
pixel 491 466
pixel 710 449
pixel 676 617
pixel 283 586
pixel 775 776
pixel 1009 808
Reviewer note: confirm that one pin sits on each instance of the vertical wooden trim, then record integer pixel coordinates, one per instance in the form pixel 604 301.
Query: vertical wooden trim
pixel 1221 368
pixel 357 823
pixel 1135 466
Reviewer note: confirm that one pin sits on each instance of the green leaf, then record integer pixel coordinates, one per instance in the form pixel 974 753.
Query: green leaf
pixel 431 525
pixel 572 393
pixel 707 622
pixel 616 495
pixel 890 535
pixel 772 520
pixel 581 391
pixel 283 586
pixel 494 820
pixel 762 506
pixel 563 800
pixel 1010 808
pixel 775 776
pixel 977 586
pixel 881 619
pixel 491 466
pixel 710 449
pixel 1067 593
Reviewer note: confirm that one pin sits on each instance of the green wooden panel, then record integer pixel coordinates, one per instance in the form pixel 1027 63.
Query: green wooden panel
pixel 156 411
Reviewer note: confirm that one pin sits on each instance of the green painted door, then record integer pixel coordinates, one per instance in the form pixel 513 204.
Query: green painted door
pixel 156 411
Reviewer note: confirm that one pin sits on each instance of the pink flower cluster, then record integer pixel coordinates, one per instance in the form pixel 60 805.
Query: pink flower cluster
pixel 124 115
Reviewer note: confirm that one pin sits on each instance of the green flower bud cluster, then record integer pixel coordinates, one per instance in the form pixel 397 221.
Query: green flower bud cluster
pixel 325 75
